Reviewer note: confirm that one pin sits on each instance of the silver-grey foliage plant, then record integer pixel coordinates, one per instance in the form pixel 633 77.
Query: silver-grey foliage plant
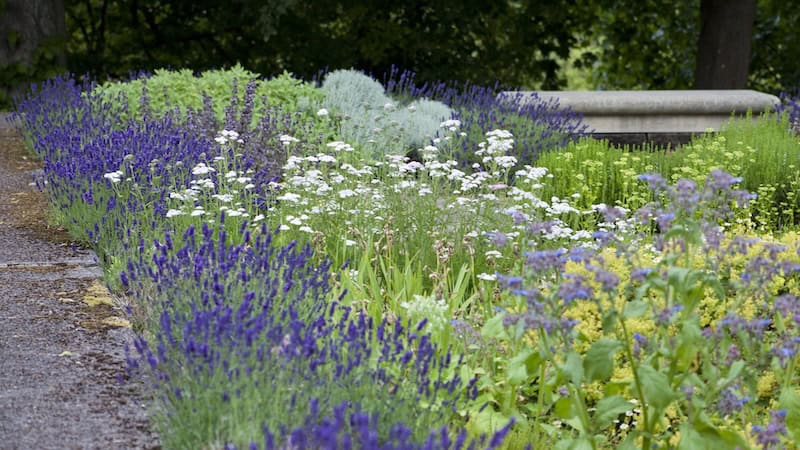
pixel 373 121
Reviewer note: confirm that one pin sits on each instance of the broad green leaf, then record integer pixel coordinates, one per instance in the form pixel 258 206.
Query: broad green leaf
pixel 692 297
pixel 563 408
pixel 608 409
pixel 598 364
pixel 487 421
pixel 633 309
pixel 563 444
pixel 517 371
pixel 573 368
pixel 690 439
pixel 733 373
pixel 575 422
pixel 703 434
pixel 790 401
pixel 583 443
pixel 676 277
pixel 549 429
pixel 609 321
pixel 493 328
pixel 629 443
pixel 732 438
pixel 689 339
pixel 655 385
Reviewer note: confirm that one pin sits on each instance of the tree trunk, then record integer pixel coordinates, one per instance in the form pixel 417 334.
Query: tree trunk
pixel 32 41
pixel 723 49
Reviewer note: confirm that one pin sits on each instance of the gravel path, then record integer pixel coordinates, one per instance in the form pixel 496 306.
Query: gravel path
pixel 61 337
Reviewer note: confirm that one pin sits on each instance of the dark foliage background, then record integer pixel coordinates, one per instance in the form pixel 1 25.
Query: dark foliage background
pixel 635 44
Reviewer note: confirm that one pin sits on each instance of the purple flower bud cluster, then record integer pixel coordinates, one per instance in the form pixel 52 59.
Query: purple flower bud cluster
pixel 639 342
pixel 770 436
pixel 729 402
pixel 790 106
pixel 733 325
pixel 351 428
pixel 543 261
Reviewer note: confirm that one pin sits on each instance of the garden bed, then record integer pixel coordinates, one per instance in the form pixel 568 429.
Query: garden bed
pixel 407 266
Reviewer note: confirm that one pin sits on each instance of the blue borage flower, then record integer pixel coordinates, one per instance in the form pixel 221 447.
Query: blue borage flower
pixel 729 402
pixel 770 436
pixel 541 261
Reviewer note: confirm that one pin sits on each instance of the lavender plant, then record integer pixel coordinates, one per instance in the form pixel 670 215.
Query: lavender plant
pixel 255 336
pixel 537 124
pixel 330 433
pixel 789 107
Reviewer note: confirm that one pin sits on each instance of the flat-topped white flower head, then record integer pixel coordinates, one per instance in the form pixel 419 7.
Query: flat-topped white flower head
pixel 114 177
pixel 202 169
pixel 287 140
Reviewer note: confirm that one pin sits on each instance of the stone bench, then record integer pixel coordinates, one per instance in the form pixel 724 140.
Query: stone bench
pixel 659 117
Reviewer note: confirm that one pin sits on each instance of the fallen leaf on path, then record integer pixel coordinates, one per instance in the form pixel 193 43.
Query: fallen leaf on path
pixel 115 321
pixel 97 294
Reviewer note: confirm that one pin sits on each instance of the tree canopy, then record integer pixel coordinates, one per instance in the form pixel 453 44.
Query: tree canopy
pixel 613 44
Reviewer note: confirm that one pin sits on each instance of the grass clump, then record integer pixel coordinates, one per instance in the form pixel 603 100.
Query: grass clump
pixel 761 151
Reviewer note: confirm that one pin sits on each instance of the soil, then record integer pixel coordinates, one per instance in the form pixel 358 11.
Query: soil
pixel 62 339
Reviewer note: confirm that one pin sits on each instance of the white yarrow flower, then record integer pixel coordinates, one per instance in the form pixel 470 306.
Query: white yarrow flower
pixel 286 139
pixel 114 177
pixel 345 193
pixel 202 169
pixel 289 197
pixel 223 197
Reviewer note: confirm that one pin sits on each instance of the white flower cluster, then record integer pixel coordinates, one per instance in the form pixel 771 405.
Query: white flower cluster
pixel 494 150
pixel 452 124
pixel 429 307
pixel 209 193
pixel 225 136
pixel 114 177
pixel 287 140
pixel 340 146
pixel 320 189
